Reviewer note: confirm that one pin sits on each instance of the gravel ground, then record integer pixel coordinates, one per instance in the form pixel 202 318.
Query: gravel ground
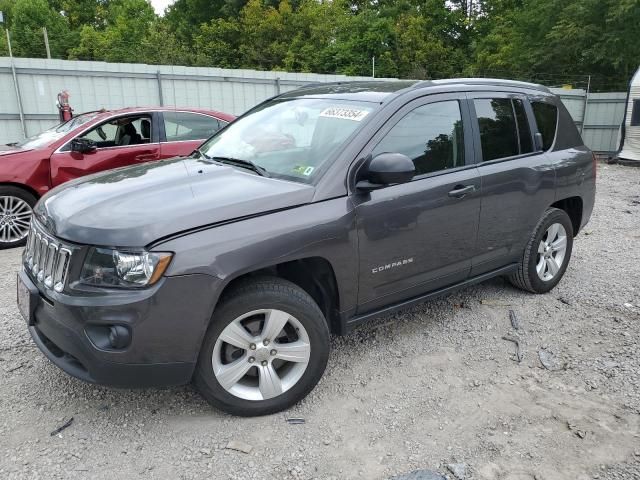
pixel 431 386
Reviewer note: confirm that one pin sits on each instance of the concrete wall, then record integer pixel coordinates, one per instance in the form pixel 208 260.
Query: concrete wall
pixel 95 85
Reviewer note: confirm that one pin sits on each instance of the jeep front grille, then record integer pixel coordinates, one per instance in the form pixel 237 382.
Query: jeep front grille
pixel 46 258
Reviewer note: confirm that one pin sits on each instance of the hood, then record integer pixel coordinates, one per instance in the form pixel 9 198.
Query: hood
pixel 11 150
pixel 134 206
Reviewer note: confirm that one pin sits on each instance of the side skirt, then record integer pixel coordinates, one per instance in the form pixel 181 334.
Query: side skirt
pixel 349 324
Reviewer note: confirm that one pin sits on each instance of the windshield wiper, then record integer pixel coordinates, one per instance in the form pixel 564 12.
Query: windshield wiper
pixel 248 164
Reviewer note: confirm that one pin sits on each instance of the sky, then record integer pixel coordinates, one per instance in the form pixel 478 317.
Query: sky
pixel 160 5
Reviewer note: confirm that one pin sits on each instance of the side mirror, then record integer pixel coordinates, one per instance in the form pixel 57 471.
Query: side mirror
pixel 83 145
pixel 386 169
pixel 539 143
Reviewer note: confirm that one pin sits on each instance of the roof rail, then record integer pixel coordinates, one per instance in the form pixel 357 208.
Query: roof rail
pixel 481 81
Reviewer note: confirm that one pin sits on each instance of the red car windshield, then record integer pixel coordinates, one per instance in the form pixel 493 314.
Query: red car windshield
pixel 57 132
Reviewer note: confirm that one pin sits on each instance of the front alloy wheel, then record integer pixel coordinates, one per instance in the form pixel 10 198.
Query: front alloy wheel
pixel 266 348
pixel 15 216
pixel 261 354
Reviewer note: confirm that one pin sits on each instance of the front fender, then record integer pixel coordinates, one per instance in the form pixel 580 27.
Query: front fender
pixel 324 229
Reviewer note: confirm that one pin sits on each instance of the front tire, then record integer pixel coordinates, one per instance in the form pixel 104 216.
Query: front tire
pixel 547 254
pixel 266 348
pixel 16 208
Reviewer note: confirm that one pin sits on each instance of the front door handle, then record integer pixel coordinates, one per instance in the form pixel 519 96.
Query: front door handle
pixel 460 191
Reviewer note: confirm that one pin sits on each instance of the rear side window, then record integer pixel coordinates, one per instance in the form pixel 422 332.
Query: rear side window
pixel 430 135
pixel 498 128
pixel 181 126
pixel 547 120
pixel 635 114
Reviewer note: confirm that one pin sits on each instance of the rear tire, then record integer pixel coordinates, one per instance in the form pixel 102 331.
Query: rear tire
pixel 266 348
pixel 547 253
pixel 16 208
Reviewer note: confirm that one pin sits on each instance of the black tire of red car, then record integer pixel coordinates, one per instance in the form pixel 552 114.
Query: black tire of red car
pixel 257 294
pixel 527 277
pixel 18 195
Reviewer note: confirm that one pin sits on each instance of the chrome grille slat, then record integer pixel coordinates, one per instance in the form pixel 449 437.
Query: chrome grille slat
pixel 47 259
pixel 61 271
pixel 42 259
pixel 36 254
pixel 52 258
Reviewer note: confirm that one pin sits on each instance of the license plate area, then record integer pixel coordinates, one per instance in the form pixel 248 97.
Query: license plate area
pixel 27 298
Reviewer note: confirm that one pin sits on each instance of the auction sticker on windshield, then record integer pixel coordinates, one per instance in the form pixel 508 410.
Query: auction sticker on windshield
pixel 303 170
pixel 345 113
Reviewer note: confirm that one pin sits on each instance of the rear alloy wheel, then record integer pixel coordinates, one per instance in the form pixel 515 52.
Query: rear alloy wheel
pixel 547 253
pixel 15 216
pixel 551 252
pixel 266 348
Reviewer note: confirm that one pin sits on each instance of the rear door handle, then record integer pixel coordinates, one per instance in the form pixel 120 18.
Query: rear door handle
pixel 461 191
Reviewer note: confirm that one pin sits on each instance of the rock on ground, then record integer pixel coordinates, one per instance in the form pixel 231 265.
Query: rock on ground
pixel 430 386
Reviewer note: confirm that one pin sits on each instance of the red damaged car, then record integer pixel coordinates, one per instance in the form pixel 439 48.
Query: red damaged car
pixel 89 143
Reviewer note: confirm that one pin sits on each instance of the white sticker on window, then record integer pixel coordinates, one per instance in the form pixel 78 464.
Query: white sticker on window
pixel 345 113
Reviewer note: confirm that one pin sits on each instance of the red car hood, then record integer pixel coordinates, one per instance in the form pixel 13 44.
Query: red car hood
pixel 7 150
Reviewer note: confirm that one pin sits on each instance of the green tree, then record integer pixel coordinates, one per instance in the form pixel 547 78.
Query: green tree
pixel 185 16
pixel 25 21
pixel 559 41
pixel 82 12
pixel 127 24
pixel 216 44
pixel 161 46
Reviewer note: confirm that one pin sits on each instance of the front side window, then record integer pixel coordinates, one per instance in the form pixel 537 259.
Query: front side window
pixel 431 135
pixel 546 116
pixel 294 139
pixel 121 131
pixel 498 128
pixel 182 126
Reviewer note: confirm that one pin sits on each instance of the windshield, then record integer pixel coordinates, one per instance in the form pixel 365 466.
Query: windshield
pixel 291 139
pixel 57 132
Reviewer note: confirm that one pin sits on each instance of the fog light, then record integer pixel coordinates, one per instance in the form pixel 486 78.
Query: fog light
pixel 119 336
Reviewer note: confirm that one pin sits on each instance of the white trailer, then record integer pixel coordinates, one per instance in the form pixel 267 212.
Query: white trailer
pixel 630 145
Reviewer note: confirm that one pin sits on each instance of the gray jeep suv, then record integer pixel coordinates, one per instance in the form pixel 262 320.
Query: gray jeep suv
pixel 312 213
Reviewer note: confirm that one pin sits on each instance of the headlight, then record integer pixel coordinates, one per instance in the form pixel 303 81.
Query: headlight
pixel 114 268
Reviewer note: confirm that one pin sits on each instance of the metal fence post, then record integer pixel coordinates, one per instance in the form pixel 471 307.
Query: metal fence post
pixel 17 87
pixel 160 95
pixel 46 42
pixel 277 82
pixel 586 104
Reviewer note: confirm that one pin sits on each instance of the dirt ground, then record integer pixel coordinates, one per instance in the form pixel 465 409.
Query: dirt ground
pixel 431 386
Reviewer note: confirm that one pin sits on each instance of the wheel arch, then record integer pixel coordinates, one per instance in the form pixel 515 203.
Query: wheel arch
pixel 315 275
pixel 574 207
pixel 21 186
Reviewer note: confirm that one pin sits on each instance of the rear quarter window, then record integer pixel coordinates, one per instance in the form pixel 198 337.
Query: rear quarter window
pixel 546 116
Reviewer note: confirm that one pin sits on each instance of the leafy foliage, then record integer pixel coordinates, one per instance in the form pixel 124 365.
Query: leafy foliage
pixel 550 41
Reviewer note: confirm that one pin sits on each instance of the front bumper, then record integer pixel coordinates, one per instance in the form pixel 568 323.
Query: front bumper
pixel 167 323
